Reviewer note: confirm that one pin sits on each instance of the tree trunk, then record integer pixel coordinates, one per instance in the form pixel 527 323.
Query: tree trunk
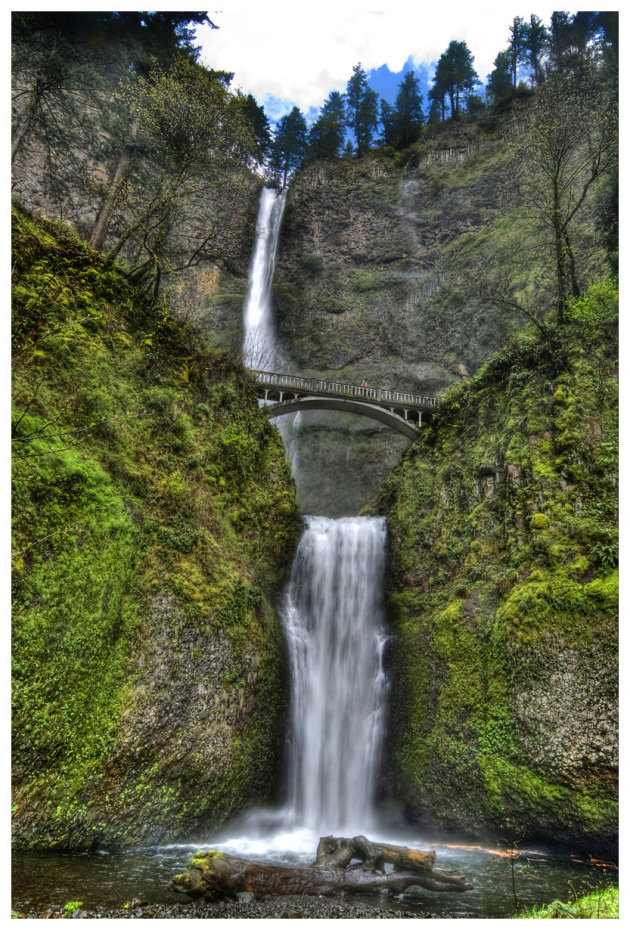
pixel 561 258
pixel 215 875
pixel 25 123
pixel 99 233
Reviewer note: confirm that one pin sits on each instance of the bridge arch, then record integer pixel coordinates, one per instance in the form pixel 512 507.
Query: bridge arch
pixel 346 405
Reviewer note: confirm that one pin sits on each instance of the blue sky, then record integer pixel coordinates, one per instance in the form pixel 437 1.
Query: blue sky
pixel 289 54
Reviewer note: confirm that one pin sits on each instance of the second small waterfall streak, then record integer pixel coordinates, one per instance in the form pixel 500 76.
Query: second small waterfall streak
pixel 334 623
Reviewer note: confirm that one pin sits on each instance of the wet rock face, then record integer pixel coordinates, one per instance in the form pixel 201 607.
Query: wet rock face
pixel 149 676
pixel 202 735
pixel 375 281
pixel 503 601
pixel 567 717
pixel 197 704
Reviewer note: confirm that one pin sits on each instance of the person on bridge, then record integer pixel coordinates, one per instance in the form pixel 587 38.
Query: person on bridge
pixel 364 385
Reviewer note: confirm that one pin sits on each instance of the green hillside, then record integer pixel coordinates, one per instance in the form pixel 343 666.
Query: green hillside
pixel 503 592
pixel 153 516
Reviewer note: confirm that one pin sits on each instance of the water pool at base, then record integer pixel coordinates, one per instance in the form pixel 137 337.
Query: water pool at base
pixel 112 879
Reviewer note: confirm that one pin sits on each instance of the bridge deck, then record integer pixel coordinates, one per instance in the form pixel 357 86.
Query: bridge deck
pixel 317 387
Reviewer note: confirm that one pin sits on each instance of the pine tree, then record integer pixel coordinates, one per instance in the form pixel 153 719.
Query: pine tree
pixel 441 80
pixel 289 145
pixel 388 122
pixel 408 111
pixel 500 80
pixel 535 42
pixel 517 51
pixel 327 135
pixel 361 109
pixel 260 126
pixel 454 76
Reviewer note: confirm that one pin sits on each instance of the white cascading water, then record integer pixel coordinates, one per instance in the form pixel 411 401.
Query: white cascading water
pixel 259 343
pixel 333 618
pixel 334 624
pixel 260 346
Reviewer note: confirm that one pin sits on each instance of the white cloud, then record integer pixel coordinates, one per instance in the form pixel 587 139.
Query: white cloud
pixel 299 53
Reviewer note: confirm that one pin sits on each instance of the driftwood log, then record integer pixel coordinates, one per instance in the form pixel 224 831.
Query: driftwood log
pixel 354 864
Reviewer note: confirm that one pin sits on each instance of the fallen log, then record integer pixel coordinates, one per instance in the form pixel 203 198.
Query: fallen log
pixel 341 865
pixel 337 852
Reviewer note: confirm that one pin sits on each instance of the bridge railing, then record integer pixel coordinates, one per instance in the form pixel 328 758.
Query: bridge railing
pixel 317 386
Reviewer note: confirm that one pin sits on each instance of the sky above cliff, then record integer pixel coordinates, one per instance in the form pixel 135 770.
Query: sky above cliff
pixel 288 54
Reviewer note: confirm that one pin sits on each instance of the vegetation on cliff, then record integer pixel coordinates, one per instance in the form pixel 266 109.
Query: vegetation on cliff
pixel 119 129
pixel 153 517
pixel 503 592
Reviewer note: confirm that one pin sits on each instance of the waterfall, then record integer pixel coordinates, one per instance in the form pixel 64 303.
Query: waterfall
pixel 333 617
pixel 260 348
pixel 259 342
pixel 334 623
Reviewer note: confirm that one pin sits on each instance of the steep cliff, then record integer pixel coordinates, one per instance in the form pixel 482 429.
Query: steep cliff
pixel 209 291
pixel 503 594
pixel 154 518
pixel 386 272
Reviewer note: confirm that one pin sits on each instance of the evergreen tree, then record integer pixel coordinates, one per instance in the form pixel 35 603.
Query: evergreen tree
pixel 408 111
pixel 517 50
pixel 568 41
pixel 327 135
pixel 435 111
pixel 289 145
pixel 475 104
pixel 260 127
pixel 500 80
pixel 441 80
pixel 361 109
pixel 455 76
pixel 535 42
pixel 388 122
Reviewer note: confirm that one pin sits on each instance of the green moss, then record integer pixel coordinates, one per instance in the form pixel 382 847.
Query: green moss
pixel 530 795
pixel 503 551
pixel 598 905
pixel 605 590
pixel 152 507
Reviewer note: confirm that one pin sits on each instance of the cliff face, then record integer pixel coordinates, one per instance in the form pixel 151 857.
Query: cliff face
pixel 375 259
pixel 209 291
pixel 154 518
pixel 384 273
pixel 503 594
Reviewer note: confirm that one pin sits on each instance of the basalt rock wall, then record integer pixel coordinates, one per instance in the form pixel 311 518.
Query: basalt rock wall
pixel 503 595
pixel 383 274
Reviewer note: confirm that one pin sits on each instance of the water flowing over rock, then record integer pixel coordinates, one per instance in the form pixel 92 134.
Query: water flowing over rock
pixel 333 614
pixel 334 623
pixel 259 344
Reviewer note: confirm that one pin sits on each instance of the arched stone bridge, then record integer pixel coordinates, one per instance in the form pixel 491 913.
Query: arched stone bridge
pixel 400 411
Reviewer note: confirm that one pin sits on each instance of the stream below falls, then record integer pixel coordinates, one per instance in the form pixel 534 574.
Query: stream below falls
pixel 112 879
